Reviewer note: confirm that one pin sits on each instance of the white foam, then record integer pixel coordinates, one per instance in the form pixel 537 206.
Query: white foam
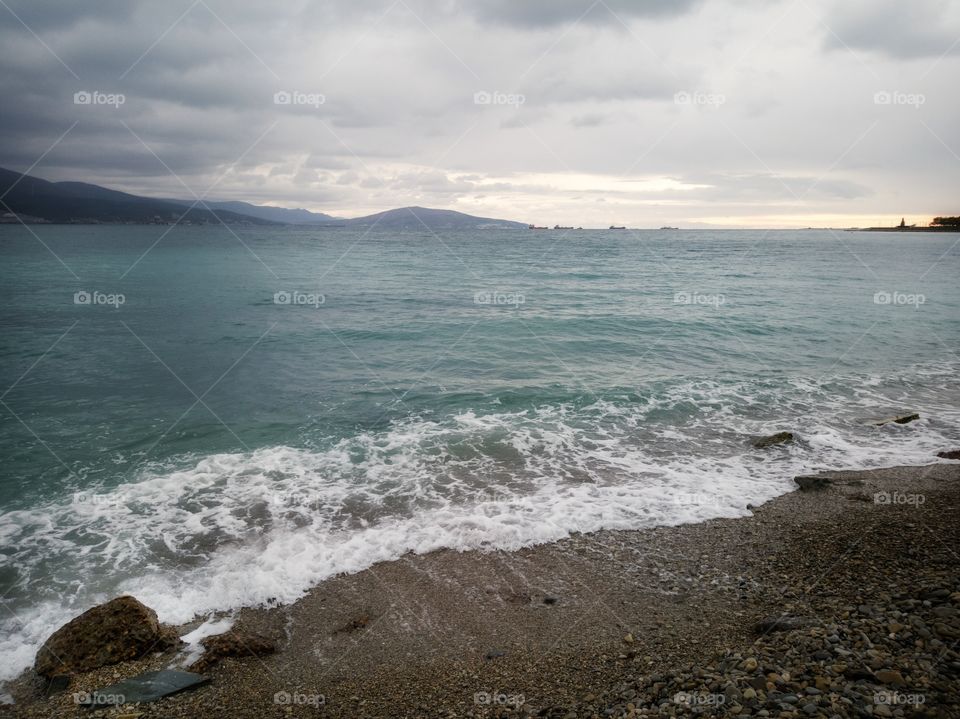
pixel 233 530
pixel 192 649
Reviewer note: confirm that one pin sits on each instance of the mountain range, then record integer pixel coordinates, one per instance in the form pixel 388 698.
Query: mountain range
pixel 31 200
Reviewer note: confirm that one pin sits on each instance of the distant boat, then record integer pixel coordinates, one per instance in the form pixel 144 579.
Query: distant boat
pixel 667 227
pixel 558 227
pixel 534 227
pixel 614 227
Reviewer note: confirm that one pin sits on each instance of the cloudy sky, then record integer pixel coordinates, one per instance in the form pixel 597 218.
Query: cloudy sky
pixel 641 112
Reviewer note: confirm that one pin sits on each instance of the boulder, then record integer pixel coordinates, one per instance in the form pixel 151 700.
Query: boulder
pixel 232 644
pixel 769 441
pixel 117 631
pixel 810 484
pixel 952 454
pixel 900 419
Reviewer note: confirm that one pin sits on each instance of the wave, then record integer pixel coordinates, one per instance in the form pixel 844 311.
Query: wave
pixel 219 532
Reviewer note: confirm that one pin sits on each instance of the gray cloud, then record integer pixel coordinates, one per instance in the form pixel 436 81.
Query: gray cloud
pixel 599 130
pixel 915 29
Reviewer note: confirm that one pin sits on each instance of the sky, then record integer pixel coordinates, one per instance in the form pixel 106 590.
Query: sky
pixel 694 113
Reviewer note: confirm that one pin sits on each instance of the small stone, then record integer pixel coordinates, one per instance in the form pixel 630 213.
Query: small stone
pixel 900 419
pixel 232 643
pixel 811 484
pixel 890 676
pixel 749 664
pixel 628 638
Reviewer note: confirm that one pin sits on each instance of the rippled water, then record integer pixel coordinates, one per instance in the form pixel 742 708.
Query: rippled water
pixel 235 416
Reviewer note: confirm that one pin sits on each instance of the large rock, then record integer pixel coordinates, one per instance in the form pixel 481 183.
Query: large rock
pixel 119 630
pixel 952 454
pixel 232 644
pixel 778 438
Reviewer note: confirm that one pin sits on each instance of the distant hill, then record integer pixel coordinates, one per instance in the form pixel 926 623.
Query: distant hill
pixel 415 218
pixel 80 202
pixel 266 212
pixel 36 200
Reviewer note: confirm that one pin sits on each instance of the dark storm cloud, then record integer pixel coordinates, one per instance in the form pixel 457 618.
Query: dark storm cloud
pixel 526 14
pixel 538 13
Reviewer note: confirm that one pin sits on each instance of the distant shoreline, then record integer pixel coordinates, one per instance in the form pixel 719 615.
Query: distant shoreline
pixel 904 229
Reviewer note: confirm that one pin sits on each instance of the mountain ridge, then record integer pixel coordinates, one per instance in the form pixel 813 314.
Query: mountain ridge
pixel 34 200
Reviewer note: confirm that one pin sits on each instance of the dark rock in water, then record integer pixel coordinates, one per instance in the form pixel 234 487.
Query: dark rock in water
pixel 778 438
pixel 901 419
pixel 550 600
pixel 119 630
pixel 232 644
pixel 782 624
pixel 146 687
pixel 809 484
pixel 952 454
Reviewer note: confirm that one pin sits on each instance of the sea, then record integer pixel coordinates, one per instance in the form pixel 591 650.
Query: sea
pixel 212 417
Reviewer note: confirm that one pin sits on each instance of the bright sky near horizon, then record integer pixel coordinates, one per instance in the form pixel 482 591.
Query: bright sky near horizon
pixel 732 113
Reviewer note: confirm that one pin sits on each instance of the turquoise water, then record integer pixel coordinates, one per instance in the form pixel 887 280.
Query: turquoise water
pixel 204 444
